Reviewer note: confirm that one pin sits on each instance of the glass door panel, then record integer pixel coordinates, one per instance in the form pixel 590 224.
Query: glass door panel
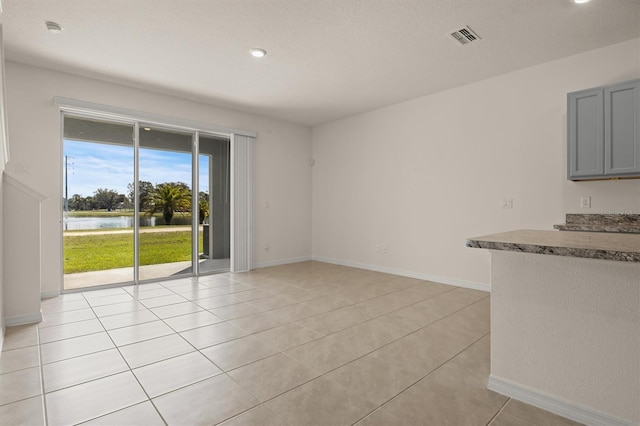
pixel 165 196
pixel 98 216
pixel 214 204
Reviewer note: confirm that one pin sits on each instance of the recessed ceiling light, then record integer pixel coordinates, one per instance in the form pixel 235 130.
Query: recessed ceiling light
pixel 580 1
pixel 257 53
pixel 148 129
pixel 53 27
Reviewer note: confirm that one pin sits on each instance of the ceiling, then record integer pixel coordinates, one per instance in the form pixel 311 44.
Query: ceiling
pixel 326 59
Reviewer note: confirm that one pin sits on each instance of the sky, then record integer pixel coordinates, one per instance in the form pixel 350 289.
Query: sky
pixel 94 165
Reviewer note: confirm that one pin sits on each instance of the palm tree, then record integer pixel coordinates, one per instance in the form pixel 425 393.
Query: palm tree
pixel 203 206
pixel 169 198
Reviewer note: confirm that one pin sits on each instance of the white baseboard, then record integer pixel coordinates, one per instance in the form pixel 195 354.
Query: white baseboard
pixel 553 404
pixel 281 262
pixel 409 274
pixel 49 294
pixel 23 319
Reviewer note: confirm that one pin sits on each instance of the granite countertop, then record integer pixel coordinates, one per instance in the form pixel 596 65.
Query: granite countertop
pixel 595 245
pixel 625 229
pixel 625 223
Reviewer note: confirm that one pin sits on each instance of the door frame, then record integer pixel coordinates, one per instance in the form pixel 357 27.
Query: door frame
pixel 240 244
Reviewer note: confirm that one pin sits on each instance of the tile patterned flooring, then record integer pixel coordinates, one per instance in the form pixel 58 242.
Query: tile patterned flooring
pixel 300 344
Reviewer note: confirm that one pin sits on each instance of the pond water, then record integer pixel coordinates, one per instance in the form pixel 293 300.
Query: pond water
pixel 77 223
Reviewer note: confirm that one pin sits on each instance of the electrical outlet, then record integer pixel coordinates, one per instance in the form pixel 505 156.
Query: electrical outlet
pixel 507 203
pixel 22 169
pixel 385 249
pixel 267 246
pixel 585 202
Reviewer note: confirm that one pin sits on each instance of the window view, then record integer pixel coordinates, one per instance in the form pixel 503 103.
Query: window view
pixel 98 214
pixel 165 203
pixel 100 209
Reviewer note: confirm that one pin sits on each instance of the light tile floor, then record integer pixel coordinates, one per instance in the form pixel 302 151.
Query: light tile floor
pixel 301 344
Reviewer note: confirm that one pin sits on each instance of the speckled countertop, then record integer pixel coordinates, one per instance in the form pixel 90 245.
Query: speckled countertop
pixel 625 223
pixel 595 245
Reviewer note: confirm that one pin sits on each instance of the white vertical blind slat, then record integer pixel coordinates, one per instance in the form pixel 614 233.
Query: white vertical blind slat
pixel 241 205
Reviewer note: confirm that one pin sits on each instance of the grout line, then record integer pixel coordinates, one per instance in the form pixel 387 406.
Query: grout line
pixel 346 306
pixel 499 412
pixel 131 372
pixel 324 375
pixel 361 322
pixel 406 335
pixel 282 352
pixel 66 323
pixel 76 356
pixel 44 400
pixel 73 337
pixel 22 368
pixel 335 332
pixel 422 378
pixel 320 295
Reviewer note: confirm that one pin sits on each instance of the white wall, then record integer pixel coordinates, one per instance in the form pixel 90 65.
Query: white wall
pixel 22 227
pixel 281 157
pixel 423 175
pixel 568 330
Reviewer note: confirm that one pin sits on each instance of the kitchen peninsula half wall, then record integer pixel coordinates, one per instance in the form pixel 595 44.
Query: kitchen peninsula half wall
pixel 565 321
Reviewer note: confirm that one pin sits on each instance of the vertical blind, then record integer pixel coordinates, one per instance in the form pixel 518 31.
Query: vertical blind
pixel 241 206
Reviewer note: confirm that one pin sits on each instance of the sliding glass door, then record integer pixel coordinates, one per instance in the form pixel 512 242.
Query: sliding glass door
pixel 145 202
pixel 98 217
pixel 165 163
pixel 214 200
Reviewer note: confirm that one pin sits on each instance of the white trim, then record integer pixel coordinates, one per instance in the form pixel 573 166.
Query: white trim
pixel 61 209
pixel 249 206
pixel 50 294
pixel 23 319
pixel 25 189
pixel 74 105
pixel 281 262
pixel 410 274
pixel 553 404
pixel 136 202
pixel 4 121
pixel 195 205
pixel 88 110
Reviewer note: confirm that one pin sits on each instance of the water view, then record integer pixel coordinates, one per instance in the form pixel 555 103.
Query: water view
pixel 72 223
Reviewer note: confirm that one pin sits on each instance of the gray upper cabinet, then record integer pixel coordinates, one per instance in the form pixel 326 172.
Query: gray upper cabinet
pixel 604 132
pixel 586 133
pixel 622 125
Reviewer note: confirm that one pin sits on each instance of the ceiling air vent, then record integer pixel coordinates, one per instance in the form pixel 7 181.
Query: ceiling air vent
pixel 465 35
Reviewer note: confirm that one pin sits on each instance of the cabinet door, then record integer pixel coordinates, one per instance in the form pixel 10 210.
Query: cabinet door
pixel 586 134
pixel 621 123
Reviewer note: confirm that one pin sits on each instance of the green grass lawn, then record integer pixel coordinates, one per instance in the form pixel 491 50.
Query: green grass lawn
pixel 109 251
